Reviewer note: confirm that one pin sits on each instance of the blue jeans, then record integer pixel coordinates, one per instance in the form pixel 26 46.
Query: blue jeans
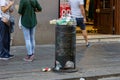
pixel 4 40
pixel 29 36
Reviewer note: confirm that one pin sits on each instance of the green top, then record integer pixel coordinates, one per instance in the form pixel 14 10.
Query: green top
pixel 27 11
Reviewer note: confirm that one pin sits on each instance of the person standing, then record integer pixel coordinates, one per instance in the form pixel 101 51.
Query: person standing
pixel 5 10
pixel 78 12
pixel 27 10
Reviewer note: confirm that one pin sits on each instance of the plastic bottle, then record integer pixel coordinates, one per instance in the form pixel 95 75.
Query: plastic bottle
pixel 58 66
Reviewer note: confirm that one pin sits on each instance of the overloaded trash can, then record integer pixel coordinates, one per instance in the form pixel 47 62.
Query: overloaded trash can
pixel 65 48
pixel 65 44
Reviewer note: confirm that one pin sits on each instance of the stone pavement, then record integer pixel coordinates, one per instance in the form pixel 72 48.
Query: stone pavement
pixel 101 61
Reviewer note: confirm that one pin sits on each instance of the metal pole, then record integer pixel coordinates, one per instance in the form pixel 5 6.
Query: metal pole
pixel 59 9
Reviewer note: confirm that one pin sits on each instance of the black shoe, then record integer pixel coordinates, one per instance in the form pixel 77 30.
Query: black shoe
pixel 11 56
pixel 6 57
pixel 88 45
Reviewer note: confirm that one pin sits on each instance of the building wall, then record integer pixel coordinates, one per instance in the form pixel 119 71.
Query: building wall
pixel 45 32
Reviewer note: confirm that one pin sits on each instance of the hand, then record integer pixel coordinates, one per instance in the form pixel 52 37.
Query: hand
pixel 85 20
pixel 11 2
pixel 5 20
pixel 36 10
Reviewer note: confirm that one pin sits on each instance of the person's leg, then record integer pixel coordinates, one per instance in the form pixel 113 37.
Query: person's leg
pixel 82 26
pixel 2 32
pixel 32 39
pixel 30 44
pixel 26 33
pixel 84 33
pixel 4 53
pixel 7 39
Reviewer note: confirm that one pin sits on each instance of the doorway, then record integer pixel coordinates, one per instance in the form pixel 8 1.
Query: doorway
pixel 100 16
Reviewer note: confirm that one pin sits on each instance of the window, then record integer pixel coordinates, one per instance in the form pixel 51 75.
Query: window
pixel 105 4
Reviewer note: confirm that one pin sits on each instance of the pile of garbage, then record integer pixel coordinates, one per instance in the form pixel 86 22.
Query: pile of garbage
pixel 65 20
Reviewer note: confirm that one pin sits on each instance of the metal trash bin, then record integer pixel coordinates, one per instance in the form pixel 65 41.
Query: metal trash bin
pixel 65 48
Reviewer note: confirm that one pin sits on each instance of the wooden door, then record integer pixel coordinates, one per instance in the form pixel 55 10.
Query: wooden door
pixel 117 17
pixel 104 14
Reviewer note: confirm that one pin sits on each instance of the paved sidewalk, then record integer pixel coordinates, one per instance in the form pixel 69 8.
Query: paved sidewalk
pixel 98 62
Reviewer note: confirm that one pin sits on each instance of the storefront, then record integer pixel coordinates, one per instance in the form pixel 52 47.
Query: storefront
pixel 102 15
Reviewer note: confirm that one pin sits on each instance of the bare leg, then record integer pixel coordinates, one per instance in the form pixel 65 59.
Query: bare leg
pixel 84 33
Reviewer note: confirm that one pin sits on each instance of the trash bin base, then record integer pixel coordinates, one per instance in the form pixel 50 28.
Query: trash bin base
pixel 70 70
